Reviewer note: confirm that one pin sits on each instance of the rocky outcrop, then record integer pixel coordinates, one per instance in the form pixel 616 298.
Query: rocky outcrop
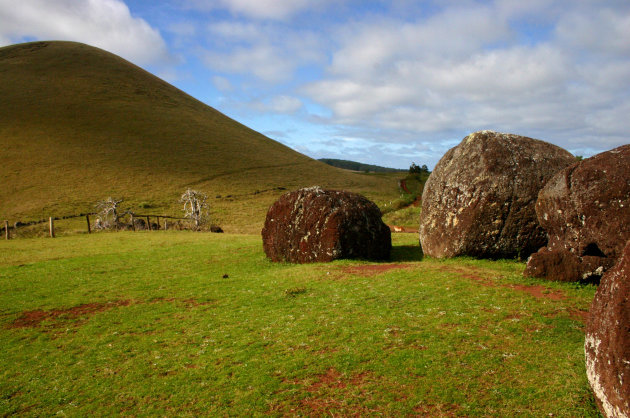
pixel 607 343
pixel 479 199
pixel 585 209
pixel 316 225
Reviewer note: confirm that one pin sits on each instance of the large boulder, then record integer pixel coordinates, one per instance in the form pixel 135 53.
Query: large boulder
pixel 607 343
pixel 585 210
pixel 316 225
pixel 479 199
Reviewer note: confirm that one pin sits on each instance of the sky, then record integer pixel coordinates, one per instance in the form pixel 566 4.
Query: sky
pixel 380 82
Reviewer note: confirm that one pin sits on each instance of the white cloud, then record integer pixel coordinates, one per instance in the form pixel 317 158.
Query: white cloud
pixel 264 51
pixel 285 104
pixel 222 84
pixel 465 69
pixel 107 24
pixel 264 61
pixel 601 30
pixel 258 9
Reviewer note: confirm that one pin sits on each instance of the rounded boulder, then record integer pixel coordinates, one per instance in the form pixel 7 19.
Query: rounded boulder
pixel 316 225
pixel 607 341
pixel 585 210
pixel 479 200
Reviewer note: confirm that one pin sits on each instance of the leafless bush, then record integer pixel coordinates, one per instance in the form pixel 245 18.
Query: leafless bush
pixel 107 217
pixel 195 206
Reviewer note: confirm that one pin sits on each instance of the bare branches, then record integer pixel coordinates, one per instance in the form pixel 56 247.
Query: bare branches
pixel 107 216
pixel 195 206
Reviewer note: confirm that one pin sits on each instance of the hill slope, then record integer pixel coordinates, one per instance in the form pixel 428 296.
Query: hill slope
pixel 78 124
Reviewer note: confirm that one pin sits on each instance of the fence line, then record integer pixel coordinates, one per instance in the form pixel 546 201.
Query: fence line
pixel 51 219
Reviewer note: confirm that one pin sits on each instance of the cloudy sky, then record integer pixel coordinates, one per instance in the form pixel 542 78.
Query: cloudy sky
pixel 383 82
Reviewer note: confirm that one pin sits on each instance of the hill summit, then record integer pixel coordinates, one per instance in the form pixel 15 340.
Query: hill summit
pixel 79 124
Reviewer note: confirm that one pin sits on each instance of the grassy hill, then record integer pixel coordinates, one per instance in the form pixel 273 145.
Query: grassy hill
pixel 79 124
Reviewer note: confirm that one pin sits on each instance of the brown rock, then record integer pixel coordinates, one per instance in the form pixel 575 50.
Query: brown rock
pixel 316 225
pixel 562 266
pixel 607 343
pixel 585 210
pixel 479 199
pixel 216 229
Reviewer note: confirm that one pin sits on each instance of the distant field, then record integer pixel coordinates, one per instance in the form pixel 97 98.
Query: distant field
pixel 169 323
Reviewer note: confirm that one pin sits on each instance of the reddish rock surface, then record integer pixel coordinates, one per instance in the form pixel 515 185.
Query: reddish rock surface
pixel 585 210
pixel 479 199
pixel 607 343
pixel 316 225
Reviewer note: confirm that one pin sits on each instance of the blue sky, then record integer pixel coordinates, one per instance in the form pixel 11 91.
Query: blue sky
pixel 381 82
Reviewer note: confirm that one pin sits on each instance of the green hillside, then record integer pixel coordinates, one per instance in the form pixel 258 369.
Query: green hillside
pixel 79 124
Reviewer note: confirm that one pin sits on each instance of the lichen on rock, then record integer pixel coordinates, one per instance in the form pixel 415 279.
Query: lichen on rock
pixel 479 199
pixel 317 225
pixel 607 340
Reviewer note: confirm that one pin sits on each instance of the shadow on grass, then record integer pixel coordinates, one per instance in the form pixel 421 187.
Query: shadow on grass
pixel 407 253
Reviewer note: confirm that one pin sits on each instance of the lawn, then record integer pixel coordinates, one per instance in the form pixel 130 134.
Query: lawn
pixel 176 322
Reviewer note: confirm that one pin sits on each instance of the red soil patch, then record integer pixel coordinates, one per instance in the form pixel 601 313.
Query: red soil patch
pixel 373 269
pixel 31 319
pixel 330 379
pixel 403 185
pixel 322 402
pixel 536 291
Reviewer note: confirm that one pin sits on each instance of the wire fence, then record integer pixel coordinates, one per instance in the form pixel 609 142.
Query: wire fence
pixel 127 221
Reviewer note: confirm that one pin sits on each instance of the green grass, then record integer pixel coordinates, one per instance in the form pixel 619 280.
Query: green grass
pixel 408 217
pixel 79 124
pixel 148 324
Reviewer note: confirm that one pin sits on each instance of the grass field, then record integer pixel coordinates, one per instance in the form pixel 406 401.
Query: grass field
pixel 184 323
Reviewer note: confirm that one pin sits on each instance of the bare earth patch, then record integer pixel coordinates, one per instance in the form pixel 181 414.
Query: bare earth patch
pixel 33 319
pixel 536 291
pixel 331 391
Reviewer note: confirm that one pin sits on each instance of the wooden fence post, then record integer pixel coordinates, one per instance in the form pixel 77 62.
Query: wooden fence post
pixel 133 223
pixel 51 227
pixel 158 222
pixel 165 224
pixel 6 229
pixel 87 218
pixel 148 223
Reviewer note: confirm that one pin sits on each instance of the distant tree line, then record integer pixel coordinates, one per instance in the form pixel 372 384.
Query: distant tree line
pixel 356 166
pixel 415 169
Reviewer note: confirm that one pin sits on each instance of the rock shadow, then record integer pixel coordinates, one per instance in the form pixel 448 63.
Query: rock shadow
pixel 407 253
